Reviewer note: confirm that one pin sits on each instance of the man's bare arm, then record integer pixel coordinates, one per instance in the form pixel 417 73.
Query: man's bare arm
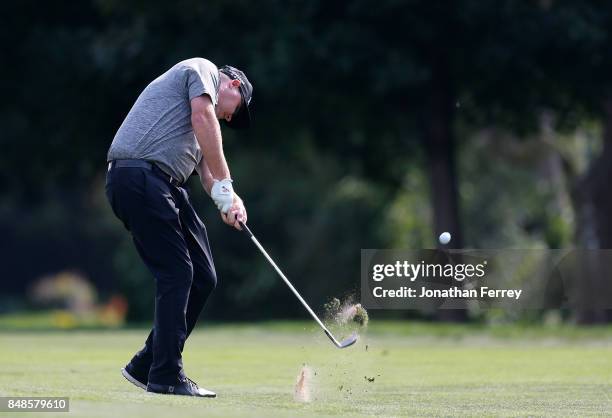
pixel 208 133
pixel 206 177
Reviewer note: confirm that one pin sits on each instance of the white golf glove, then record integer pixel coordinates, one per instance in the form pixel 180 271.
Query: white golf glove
pixel 222 193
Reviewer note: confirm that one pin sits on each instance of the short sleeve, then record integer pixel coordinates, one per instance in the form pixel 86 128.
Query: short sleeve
pixel 202 77
pixel 198 169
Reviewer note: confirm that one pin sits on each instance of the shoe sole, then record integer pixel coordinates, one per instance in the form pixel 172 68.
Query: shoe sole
pixel 202 393
pixel 208 394
pixel 132 380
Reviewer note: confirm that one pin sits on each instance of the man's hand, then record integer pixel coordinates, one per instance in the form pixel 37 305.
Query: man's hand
pixel 222 193
pixel 236 214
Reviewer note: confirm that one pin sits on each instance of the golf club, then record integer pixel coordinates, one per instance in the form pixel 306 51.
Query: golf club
pixel 344 343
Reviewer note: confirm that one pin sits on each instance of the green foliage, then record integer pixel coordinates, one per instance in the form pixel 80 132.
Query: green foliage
pixel 509 198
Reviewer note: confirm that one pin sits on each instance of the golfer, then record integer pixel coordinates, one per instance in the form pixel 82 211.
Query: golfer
pixel 172 130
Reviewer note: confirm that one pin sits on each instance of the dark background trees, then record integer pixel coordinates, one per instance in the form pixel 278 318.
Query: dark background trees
pixel 377 125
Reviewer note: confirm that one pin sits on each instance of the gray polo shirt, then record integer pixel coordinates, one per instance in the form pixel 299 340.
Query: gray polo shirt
pixel 158 127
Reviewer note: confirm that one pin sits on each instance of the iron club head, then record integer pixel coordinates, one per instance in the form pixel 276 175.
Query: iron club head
pixel 348 341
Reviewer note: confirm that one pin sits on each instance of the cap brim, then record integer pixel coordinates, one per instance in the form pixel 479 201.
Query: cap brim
pixel 242 120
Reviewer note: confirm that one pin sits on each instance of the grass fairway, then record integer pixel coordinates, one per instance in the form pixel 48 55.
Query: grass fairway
pixel 418 370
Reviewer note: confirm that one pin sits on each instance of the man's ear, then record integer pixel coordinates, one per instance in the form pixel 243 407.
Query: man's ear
pixel 235 83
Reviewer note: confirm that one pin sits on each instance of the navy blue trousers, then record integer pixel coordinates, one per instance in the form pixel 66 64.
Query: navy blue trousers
pixel 172 241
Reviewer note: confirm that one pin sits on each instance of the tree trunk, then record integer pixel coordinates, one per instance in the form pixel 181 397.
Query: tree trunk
pixel 594 200
pixel 440 148
pixel 599 178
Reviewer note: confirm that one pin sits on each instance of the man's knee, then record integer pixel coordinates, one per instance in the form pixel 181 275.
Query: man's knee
pixel 205 280
pixel 187 273
pixel 211 280
pixel 180 276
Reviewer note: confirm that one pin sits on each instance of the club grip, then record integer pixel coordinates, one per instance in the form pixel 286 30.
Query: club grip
pixel 246 229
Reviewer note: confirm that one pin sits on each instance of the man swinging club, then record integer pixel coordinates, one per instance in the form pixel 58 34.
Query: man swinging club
pixel 172 130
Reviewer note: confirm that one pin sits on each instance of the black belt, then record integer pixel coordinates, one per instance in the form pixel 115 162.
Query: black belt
pixel 147 166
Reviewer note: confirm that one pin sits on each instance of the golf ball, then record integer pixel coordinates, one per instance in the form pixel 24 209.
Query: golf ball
pixel 444 238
